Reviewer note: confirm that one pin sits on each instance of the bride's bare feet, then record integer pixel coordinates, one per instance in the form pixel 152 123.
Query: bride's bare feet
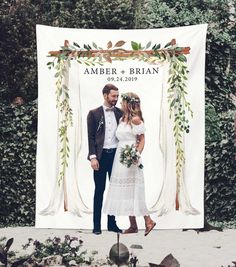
pixel 149 226
pixel 131 230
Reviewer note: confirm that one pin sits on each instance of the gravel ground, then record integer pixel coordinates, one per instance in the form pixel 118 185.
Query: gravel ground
pixel 191 249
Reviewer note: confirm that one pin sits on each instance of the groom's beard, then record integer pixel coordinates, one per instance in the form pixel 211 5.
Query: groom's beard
pixel 112 103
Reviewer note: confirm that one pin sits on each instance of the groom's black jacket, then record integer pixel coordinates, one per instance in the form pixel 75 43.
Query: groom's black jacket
pixel 96 129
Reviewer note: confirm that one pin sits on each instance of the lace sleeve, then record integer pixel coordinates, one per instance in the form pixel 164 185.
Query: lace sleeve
pixel 138 129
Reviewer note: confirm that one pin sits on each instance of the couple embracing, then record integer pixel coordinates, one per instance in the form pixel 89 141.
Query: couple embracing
pixel 110 130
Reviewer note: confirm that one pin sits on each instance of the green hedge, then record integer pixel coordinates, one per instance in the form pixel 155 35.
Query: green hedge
pixel 18 130
pixel 220 166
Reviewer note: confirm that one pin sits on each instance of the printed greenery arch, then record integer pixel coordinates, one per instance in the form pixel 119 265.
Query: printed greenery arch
pixel 179 107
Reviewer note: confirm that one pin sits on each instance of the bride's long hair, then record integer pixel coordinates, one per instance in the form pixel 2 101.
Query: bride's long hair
pixel 132 108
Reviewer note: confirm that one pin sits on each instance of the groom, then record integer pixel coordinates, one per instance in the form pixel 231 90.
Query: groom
pixel 102 123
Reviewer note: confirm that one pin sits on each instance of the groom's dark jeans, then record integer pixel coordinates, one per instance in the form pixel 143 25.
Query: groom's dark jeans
pixel 105 167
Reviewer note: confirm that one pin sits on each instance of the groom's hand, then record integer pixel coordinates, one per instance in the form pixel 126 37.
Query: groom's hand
pixel 95 164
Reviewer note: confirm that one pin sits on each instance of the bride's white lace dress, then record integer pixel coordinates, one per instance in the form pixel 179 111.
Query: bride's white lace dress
pixel 126 193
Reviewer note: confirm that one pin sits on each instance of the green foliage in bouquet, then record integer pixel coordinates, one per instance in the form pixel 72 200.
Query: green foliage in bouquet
pixel 129 156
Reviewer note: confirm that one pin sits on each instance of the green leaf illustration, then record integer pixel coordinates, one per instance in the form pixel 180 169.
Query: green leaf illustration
pixel 135 46
pixel 94 45
pixel 75 44
pixel 148 45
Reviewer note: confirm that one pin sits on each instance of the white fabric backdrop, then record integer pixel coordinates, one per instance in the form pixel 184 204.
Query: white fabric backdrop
pixel 85 94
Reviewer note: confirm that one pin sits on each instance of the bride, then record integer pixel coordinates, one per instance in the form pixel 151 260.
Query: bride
pixel 126 193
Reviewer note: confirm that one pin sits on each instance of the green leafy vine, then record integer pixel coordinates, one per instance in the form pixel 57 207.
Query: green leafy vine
pixel 66 121
pixel 179 108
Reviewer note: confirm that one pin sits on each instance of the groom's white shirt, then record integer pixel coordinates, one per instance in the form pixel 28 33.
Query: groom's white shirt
pixel 110 140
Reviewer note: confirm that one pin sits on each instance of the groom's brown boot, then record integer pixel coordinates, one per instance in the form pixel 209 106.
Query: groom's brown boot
pixel 133 226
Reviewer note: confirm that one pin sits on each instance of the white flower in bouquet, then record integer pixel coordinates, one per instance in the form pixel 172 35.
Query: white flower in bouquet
pixel 129 155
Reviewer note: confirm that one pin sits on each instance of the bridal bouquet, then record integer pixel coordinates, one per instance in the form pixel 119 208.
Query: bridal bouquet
pixel 129 155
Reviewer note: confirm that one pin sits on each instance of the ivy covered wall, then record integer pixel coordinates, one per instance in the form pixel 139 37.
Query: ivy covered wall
pixel 18 130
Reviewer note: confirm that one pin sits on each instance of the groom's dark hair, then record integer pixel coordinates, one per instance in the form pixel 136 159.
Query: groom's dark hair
pixel 108 87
